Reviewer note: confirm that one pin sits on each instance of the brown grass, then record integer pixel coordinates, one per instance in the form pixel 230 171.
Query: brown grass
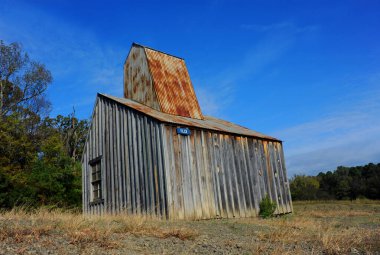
pixel 21 226
pixel 333 227
pixel 328 239
pixel 333 230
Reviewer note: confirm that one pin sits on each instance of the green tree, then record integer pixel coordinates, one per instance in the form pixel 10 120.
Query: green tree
pixel 343 189
pixel 17 147
pixel 371 175
pixel 55 177
pixel 304 187
pixel 23 82
pixel 38 154
pixel 5 188
pixel 72 131
pixel 327 185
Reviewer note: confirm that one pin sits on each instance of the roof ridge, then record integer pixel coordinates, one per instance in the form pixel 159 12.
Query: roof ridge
pixel 207 123
pixel 146 47
pixel 233 123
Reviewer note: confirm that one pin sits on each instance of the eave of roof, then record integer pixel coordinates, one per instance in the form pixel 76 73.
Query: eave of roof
pixel 208 122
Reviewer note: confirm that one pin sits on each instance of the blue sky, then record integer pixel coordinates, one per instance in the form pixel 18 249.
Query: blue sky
pixel 307 72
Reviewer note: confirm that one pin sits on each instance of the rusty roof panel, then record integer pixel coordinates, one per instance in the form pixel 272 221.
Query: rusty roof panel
pixel 138 83
pixel 172 84
pixel 207 122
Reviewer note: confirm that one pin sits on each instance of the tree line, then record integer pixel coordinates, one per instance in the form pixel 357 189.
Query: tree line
pixel 39 155
pixel 343 183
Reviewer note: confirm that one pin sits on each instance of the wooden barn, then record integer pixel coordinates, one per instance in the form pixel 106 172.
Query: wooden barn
pixel 154 152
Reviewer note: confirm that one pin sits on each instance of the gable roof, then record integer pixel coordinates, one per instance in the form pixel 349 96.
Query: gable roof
pixel 207 122
pixel 173 91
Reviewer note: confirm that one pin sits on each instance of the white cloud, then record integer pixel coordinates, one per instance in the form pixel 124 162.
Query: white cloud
pixel 214 100
pixel 349 135
pixel 350 153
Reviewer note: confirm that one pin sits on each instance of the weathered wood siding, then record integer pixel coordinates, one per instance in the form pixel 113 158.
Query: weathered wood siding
pixel 130 144
pixel 148 168
pixel 212 174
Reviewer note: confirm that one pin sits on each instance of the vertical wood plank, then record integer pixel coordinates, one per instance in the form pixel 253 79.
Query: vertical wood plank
pixel 286 181
pixel 178 175
pixel 198 165
pixel 127 163
pixel 122 159
pixel 155 171
pixel 173 179
pixel 213 168
pixel 148 167
pixel 263 162
pixel 136 163
pixel 107 160
pixel 167 172
pixel 253 175
pixel 222 177
pixel 276 175
pixel 273 177
pixel 282 179
pixel 195 180
pixel 131 167
pixel 246 177
pixel 208 176
pixel 142 162
pixel 230 186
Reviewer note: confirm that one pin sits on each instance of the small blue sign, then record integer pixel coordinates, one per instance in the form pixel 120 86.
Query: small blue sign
pixel 183 131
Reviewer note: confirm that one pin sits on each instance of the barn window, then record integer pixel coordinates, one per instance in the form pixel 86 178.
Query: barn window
pixel 96 179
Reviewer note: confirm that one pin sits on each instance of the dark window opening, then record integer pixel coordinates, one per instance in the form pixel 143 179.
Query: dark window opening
pixel 96 180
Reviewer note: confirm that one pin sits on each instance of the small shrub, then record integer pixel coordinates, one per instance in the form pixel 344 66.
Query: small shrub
pixel 267 207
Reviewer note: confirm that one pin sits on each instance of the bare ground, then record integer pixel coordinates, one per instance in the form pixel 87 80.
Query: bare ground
pixel 335 227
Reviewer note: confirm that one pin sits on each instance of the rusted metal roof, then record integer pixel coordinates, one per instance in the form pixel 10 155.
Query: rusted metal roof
pixel 138 82
pixel 207 122
pixel 172 84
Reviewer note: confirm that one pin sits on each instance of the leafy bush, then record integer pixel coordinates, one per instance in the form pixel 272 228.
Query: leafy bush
pixel 267 207
pixel 304 187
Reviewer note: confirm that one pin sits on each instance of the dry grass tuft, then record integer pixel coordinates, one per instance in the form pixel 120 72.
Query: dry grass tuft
pixel 330 214
pixel 19 234
pixel 338 227
pixel 180 233
pixel 90 235
pixel 348 240
pixel 328 228
pixel 21 225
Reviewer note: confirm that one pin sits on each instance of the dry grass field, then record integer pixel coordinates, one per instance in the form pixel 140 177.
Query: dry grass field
pixel 336 227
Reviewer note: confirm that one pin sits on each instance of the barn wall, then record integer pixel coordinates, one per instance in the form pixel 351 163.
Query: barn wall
pixel 132 161
pixel 92 149
pixel 148 168
pixel 212 174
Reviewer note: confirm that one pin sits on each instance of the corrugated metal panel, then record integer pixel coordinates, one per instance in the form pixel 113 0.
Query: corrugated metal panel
pixel 138 84
pixel 172 84
pixel 208 122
